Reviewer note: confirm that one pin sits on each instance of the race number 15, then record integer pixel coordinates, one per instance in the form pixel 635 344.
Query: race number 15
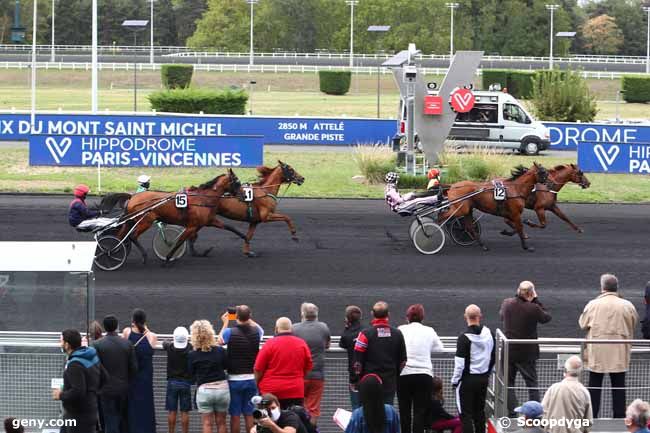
pixel 181 201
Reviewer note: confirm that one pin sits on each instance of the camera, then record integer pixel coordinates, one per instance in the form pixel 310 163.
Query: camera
pixel 260 412
pixel 410 73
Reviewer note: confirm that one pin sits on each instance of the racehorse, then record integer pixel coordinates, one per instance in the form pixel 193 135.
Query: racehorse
pixel 261 205
pixel 544 196
pixel 517 189
pixel 202 204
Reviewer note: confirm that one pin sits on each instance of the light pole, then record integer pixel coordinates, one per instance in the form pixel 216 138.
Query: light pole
pixel 647 53
pixel 352 4
pixel 33 110
pixel 252 85
pixel 151 56
pixel 52 53
pixel 452 7
pixel 552 8
pixel 94 78
pixel 135 26
pixel 252 3
pixel 379 30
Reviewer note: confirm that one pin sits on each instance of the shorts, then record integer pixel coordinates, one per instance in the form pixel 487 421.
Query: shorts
pixel 210 400
pixel 241 392
pixel 313 395
pixel 179 396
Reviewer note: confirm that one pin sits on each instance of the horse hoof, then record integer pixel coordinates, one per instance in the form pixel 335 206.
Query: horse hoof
pixel 251 254
pixel 530 249
pixel 206 252
pixel 295 238
pixel 485 248
pixel 144 260
pixel 526 237
pixel 580 231
pixel 506 233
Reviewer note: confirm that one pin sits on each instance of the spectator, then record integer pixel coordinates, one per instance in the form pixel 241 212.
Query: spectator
pixel 208 364
pixel 608 317
pixel 348 339
pixel 440 419
pixel 179 380
pixel 637 416
pixel 279 421
pixel 531 411
pixel 568 400
pixel 243 342
pixel 282 364
pixel 95 330
pixel 317 336
pixel 645 327
pixel 415 386
pixel 118 358
pixel 12 425
pixel 380 350
pixel 374 416
pixel 473 364
pixel 142 415
pixel 520 316
pixel 82 379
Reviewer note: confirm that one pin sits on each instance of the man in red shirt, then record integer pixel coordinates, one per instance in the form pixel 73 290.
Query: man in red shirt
pixel 282 364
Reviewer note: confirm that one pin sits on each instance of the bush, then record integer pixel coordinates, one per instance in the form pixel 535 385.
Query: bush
pixel 495 76
pixel 483 165
pixel 374 161
pixel 563 97
pixel 176 76
pixel 191 100
pixel 335 82
pixel 636 88
pixel 409 181
pixel 518 83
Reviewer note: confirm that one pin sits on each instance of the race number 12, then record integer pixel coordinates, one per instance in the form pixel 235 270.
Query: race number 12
pixel 181 201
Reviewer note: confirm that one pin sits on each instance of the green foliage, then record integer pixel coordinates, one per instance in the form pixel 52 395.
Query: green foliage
pixel 335 82
pixel 495 76
pixel 176 76
pixel 224 26
pixel 636 88
pixel 563 97
pixel 187 13
pixel 191 100
pixel 518 83
pixel 480 166
pixel 409 181
pixel 374 162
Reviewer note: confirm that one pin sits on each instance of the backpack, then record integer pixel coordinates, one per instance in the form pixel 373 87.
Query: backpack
pixel 305 418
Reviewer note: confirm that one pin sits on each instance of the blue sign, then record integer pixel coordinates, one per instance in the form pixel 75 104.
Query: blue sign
pixel 276 130
pixel 146 150
pixel 597 157
pixel 566 136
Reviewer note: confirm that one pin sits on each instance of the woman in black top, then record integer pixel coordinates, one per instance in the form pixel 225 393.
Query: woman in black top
pixel 441 419
pixel 207 365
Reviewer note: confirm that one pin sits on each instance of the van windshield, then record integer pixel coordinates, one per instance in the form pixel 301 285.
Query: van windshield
pixel 481 113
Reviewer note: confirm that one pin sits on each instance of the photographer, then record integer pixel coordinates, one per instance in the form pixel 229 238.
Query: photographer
pixel 271 419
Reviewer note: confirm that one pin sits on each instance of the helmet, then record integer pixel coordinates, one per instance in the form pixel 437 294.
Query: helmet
pixel 81 190
pixel 143 178
pixel 392 177
pixel 433 173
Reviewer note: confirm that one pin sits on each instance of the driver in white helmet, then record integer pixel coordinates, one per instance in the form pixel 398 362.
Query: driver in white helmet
pixel 143 183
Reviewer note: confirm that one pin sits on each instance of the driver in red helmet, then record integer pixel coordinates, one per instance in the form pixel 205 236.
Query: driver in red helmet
pixel 78 211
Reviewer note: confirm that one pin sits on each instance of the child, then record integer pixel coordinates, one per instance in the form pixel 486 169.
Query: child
pixel 441 420
pixel 179 380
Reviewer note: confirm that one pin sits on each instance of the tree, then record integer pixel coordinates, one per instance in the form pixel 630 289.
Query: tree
pixel 629 18
pixel 223 26
pixel 187 13
pixel 601 35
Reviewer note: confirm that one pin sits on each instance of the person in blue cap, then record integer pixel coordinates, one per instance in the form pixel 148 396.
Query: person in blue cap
pixel 530 411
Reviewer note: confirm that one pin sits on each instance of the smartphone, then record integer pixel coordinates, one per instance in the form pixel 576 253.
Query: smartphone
pixel 232 313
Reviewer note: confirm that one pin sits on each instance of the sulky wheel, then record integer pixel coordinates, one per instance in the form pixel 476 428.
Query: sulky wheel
pixel 428 238
pixel 459 235
pixel 164 240
pixel 415 224
pixel 111 253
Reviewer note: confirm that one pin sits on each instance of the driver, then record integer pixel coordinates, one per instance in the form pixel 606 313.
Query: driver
pixel 143 183
pixel 279 421
pixel 79 216
pixel 400 203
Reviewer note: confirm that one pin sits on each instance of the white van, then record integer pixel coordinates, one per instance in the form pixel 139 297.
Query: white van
pixel 497 120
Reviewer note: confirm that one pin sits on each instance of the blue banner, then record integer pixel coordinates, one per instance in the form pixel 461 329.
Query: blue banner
pixel 566 136
pixel 276 130
pixel 146 150
pixel 597 157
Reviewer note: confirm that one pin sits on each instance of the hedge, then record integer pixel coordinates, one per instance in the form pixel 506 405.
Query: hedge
pixel 191 100
pixel 518 83
pixel 409 181
pixel 495 76
pixel 176 76
pixel 335 82
pixel 636 88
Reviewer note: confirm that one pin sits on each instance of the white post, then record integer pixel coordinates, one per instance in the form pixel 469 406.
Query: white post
pixel 352 3
pixel 33 108
pixel 647 55
pixel 552 9
pixel 251 61
pixel 53 54
pixel 99 176
pixel 451 7
pixel 94 81
pixel 151 57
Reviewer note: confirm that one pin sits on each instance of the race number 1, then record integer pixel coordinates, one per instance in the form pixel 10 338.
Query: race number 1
pixel 499 193
pixel 248 193
pixel 181 201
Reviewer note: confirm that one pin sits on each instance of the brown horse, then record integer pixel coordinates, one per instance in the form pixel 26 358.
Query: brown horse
pixel 261 208
pixel 518 188
pixel 202 204
pixel 544 196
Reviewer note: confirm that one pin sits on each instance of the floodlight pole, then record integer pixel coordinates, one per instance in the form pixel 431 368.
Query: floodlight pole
pixel 52 52
pixel 451 7
pixel 151 56
pixel 647 53
pixel 251 59
pixel 135 75
pixel 33 96
pixel 552 8
pixel 94 79
pixel 352 3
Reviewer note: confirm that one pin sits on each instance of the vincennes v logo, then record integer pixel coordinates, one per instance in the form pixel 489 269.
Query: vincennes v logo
pixel 58 149
pixel 606 157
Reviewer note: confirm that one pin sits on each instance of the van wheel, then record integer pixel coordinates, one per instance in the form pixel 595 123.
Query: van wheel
pixel 530 147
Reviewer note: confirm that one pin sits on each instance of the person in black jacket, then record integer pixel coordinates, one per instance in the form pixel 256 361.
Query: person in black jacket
pixel 381 350
pixel 472 367
pixel 442 420
pixel 348 339
pixel 645 323
pixel 118 358
pixel 179 380
pixel 520 316
pixel 82 380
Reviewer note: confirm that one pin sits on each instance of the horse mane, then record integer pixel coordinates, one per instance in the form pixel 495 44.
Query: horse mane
pixel 209 184
pixel 561 166
pixel 517 172
pixel 264 171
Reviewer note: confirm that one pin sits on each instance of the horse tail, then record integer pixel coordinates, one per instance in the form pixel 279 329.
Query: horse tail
pixel 111 201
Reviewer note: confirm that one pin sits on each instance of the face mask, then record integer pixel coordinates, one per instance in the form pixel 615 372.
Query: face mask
pixel 275 414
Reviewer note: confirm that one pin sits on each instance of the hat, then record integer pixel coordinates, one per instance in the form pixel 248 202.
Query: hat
pixel 531 409
pixel 180 337
pixel 81 190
